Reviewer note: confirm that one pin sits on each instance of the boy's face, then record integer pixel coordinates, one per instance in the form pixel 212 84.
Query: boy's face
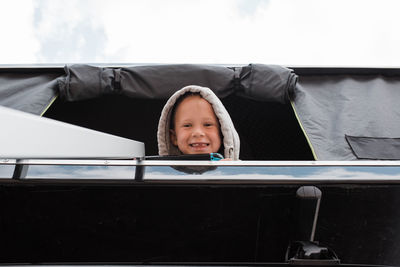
pixel 196 127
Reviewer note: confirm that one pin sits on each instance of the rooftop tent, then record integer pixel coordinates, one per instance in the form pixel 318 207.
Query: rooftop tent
pixel 337 111
pixel 350 114
pixel 28 89
pixel 127 102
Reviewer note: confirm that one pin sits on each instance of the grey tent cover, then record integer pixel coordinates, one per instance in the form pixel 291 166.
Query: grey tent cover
pixel 365 108
pixel 256 81
pixel 344 117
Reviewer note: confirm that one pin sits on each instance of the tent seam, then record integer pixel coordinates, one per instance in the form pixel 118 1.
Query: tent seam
pixel 48 105
pixel 303 130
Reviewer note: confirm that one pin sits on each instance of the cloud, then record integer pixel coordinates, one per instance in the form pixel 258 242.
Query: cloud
pixel 250 7
pixel 18 43
pixel 283 32
pixel 68 32
pixel 286 32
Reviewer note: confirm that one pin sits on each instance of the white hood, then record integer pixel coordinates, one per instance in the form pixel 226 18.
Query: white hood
pixel 230 137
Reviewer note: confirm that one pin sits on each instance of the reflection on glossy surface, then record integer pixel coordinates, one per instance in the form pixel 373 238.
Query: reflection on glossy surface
pixel 310 172
pixel 81 172
pixel 6 171
pixel 214 172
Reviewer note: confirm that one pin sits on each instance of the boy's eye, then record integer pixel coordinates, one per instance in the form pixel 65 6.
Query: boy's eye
pixel 186 125
pixel 208 124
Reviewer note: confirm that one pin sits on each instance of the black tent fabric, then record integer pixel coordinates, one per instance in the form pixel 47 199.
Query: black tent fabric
pixel 255 81
pixel 28 91
pixel 127 101
pixel 33 92
pixel 330 107
pixel 268 131
pixel 330 103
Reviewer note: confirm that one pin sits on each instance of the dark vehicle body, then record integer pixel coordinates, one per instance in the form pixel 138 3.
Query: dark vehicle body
pixel 140 211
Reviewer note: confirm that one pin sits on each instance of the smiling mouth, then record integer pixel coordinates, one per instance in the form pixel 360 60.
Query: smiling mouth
pixel 199 145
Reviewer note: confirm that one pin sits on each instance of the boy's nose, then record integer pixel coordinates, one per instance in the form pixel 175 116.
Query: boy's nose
pixel 198 131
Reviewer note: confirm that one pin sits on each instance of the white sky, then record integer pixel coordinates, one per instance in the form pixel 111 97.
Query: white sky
pixel 286 32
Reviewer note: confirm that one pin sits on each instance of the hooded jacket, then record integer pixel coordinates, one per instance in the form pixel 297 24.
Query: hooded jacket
pixel 230 137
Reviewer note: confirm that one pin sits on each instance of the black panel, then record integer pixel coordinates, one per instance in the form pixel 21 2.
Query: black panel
pixel 144 223
pixel 374 147
pixel 131 118
pixel 268 131
pixel 192 223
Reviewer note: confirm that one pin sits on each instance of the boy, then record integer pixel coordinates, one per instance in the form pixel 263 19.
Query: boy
pixel 194 121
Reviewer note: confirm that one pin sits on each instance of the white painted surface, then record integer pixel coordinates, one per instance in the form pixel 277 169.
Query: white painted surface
pixel 23 136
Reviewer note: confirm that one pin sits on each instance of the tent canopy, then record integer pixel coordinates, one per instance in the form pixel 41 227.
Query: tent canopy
pixel 342 114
